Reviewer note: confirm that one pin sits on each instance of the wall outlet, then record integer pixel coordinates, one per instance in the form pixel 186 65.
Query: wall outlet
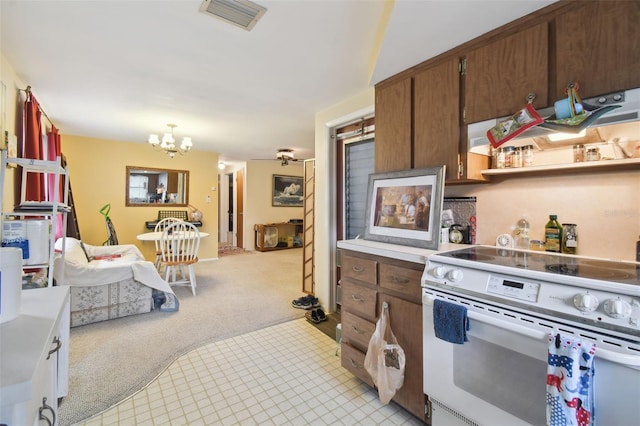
pixel 208 199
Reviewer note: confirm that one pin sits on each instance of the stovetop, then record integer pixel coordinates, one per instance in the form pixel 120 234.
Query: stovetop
pixel 526 262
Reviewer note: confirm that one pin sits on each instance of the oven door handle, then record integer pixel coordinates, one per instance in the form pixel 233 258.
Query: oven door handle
pixel 618 358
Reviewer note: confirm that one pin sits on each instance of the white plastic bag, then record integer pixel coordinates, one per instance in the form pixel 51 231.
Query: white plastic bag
pixel 385 359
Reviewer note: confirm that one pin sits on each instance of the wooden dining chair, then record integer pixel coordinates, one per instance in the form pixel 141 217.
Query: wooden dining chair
pixel 160 226
pixel 179 245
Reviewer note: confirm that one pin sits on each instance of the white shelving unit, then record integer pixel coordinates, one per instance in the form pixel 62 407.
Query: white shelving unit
pixel 47 210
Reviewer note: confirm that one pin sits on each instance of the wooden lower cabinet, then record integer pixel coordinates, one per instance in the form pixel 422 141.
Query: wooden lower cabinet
pixel 371 281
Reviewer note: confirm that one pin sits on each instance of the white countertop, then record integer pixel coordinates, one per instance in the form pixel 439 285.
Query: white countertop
pixel 25 340
pixel 406 253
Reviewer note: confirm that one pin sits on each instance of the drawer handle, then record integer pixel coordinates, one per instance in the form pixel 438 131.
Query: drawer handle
pixel 399 280
pixel 356 298
pixel 46 406
pixel 358 269
pixel 355 364
pixel 58 343
pixel 357 330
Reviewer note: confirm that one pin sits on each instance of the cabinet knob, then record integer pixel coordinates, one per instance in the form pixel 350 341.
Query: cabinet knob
pixel 358 269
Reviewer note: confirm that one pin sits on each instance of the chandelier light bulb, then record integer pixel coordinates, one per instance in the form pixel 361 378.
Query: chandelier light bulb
pixel 168 143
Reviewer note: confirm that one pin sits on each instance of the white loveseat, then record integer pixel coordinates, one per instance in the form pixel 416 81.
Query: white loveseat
pixel 108 281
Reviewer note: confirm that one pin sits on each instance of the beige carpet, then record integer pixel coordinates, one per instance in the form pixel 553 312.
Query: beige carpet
pixel 111 360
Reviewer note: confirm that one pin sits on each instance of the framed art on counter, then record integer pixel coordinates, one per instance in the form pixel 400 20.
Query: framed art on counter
pixel 404 207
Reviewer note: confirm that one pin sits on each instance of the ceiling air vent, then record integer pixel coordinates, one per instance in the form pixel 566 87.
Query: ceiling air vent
pixel 241 13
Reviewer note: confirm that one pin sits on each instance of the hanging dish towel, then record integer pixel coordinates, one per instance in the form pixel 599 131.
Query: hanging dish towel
pixel 570 374
pixel 450 321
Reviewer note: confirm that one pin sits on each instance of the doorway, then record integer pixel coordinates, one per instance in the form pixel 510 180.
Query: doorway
pixel 231 210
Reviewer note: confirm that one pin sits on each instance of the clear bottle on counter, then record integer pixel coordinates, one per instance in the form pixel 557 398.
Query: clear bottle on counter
pixel 569 238
pixel 553 235
pixel 527 155
pixel 521 234
pixel 536 245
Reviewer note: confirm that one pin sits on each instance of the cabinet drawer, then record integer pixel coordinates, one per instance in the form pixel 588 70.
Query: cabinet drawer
pixel 356 331
pixel 359 300
pixel 402 280
pixel 359 269
pixel 353 360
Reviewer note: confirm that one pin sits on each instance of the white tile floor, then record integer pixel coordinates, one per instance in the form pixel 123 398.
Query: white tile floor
pixel 285 374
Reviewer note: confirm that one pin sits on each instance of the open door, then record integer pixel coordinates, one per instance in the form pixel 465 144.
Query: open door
pixel 239 190
pixel 308 284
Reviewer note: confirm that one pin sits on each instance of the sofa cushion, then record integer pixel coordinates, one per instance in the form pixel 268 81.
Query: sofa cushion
pixel 74 252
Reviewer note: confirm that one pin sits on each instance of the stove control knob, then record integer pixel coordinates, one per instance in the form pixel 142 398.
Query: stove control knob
pixel 455 275
pixel 438 272
pixel 617 308
pixel 585 302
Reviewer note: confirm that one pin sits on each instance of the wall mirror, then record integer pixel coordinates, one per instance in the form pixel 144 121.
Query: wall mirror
pixel 149 187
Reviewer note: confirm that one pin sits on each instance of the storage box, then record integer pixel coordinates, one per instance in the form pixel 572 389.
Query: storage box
pixel 270 237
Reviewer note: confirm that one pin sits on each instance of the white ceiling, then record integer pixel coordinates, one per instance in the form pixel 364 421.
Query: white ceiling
pixel 116 69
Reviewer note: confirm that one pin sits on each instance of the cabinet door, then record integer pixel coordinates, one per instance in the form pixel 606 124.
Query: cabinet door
pixel 437 117
pixel 500 75
pixel 406 324
pixel 393 126
pixel 598 45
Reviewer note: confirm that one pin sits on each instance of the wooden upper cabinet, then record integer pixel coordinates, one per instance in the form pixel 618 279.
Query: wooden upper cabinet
pixel 437 117
pixel 499 75
pixel 393 126
pixel 598 45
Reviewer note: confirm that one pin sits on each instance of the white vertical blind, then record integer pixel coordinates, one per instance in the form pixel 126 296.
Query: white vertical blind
pixel 359 163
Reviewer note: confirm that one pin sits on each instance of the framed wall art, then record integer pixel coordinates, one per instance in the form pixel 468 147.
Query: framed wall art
pixel 404 207
pixel 287 191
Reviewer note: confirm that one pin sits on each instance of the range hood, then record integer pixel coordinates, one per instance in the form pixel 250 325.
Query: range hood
pixel 625 117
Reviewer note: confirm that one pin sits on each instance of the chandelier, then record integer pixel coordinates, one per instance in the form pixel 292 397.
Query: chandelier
pixel 168 143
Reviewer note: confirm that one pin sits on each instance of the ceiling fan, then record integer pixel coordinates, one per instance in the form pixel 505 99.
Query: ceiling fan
pixel 284 156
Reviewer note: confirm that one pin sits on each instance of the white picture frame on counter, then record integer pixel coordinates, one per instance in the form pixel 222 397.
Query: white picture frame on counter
pixel 404 207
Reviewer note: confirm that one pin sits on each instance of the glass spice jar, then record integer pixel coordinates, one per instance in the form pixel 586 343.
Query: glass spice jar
pixel 578 153
pixel 527 155
pixel 509 152
pixel 500 158
pixel 593 154
pixel 516 161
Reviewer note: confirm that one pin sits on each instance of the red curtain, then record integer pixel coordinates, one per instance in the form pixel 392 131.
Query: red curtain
pixel 53 152
pixel 32 147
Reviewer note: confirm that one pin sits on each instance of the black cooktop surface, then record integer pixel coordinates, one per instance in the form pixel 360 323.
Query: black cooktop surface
pixel 580 267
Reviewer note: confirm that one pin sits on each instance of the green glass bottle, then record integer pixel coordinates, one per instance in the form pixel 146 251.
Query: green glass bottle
pixel 553 235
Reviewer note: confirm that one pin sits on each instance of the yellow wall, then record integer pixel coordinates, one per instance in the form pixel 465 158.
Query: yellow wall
pixel 97 170
pixel 258 190
pixel 12 84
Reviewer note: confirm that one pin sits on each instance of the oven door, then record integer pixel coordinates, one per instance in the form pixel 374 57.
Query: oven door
pixel 498 377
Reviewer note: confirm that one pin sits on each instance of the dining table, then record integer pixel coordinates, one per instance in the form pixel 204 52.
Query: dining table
pixel 156 235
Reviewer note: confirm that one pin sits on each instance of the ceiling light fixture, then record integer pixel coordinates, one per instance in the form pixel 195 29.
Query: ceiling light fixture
pixel 561 136
pixel 168 144
pixel 221 165
pixel 284 155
